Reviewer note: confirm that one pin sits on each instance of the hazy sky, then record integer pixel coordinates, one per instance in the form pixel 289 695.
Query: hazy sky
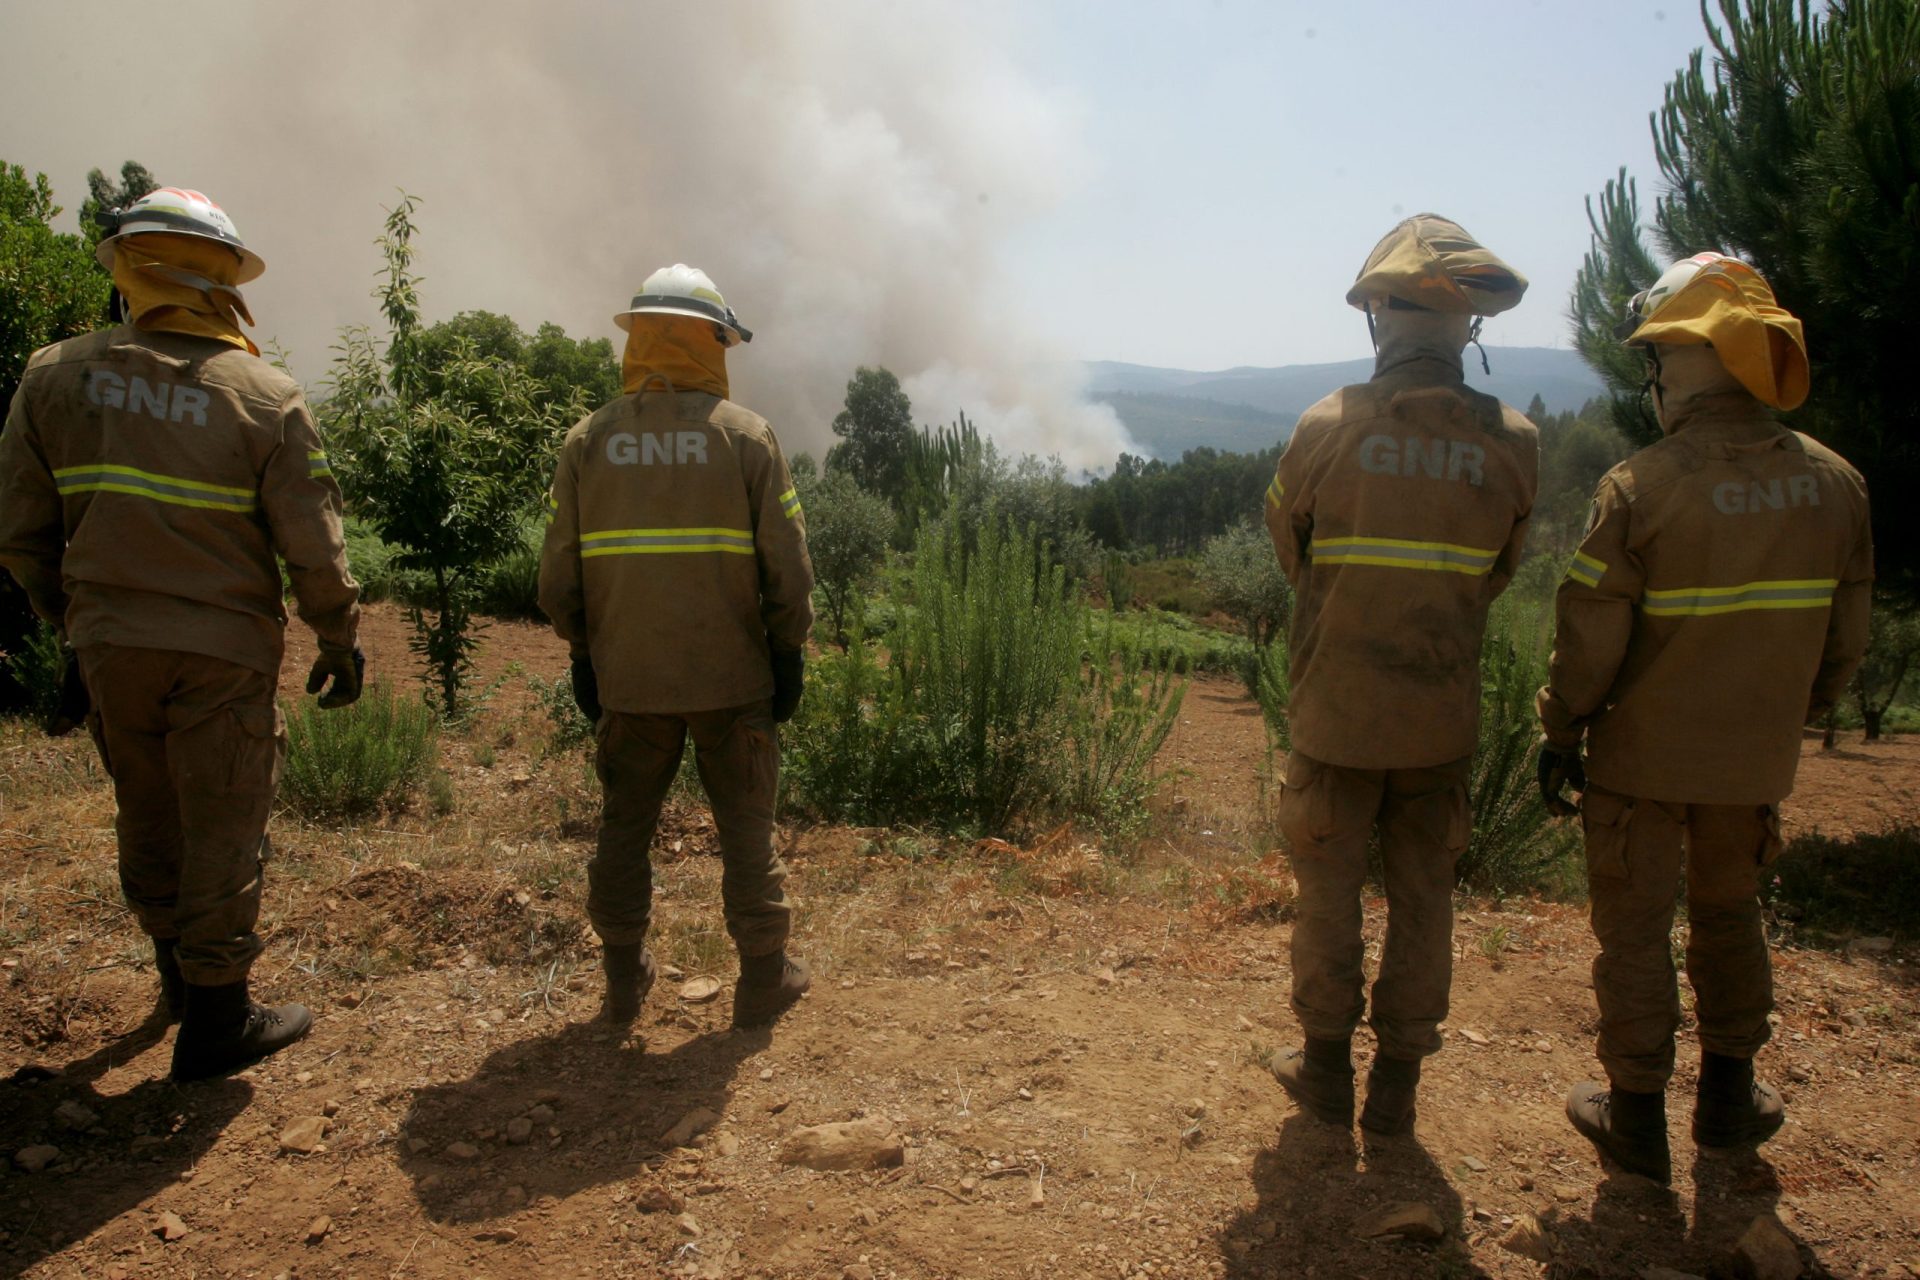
pixel 972 194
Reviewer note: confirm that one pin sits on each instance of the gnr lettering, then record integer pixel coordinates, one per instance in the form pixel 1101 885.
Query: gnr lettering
pixel 159 399
pixel 667 448
pixel 1749 497
pixel 1435 459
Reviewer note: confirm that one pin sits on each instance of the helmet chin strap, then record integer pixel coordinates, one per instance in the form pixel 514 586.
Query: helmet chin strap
pixel 1652 383
pixel 1473 339
pixel 1372 336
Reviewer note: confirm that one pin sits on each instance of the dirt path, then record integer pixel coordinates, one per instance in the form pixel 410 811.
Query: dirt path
pixel 1066 1044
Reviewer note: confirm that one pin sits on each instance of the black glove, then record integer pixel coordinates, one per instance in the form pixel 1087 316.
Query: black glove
pixel 1560 767
pixel 586 689
pixel 74 704
pixel 789 682
pixel 348 670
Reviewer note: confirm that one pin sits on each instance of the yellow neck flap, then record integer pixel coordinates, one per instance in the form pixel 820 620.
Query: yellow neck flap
pixel 679 349
pixel 182 284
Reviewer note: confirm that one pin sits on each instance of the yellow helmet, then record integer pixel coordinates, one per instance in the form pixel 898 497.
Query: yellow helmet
pixel 1715 300
pixel 1433 264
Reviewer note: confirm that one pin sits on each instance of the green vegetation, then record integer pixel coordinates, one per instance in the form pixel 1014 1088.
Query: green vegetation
pixel 1845 888
pixel 1794 141
pixel 434 454
pixel 1243 577
pixel 847 532
pixel 356 761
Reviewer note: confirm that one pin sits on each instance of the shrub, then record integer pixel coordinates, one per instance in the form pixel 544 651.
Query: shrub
pixel 37 668
pixel 1244 580
pixel 1515 842
pixel 998 706
pixel 847 532
pixel 1866 885
pixel 510 588
pixel 555 697
pixel 359 760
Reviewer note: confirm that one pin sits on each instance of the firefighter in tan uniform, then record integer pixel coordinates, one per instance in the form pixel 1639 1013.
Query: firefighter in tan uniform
pixel 1398 511
pixel 1718 602
pixel 676 567
pixel 150 475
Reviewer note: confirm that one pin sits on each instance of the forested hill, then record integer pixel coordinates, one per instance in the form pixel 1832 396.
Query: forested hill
pixel 1246 409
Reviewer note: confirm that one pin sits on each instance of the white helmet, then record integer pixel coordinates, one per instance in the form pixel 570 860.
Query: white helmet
pixel 681 290
pixel 181 212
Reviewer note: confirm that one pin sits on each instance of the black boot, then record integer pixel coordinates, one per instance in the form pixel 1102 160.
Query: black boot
pixel 630 972
pixel 1391 1086
pixel 1732 1109
pixel 769 985
pixel 1319 1078
pixel 224 1032
pixel 1628 1128
pixel 173 986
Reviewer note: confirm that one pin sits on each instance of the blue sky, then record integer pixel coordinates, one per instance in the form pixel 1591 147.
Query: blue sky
pixel 1246 156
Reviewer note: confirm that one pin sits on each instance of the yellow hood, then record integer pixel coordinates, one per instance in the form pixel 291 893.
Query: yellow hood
pixel 679 349
pixel 1729 306
pixel 182 284
pixel 1433 263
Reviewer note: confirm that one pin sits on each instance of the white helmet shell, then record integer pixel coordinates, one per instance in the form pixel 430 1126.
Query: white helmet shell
pixel 182 212
pixel 681 290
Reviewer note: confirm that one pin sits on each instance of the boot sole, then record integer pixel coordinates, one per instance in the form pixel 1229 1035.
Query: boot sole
pixel 1736 1137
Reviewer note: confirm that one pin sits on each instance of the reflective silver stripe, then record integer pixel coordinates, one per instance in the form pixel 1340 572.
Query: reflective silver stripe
pixel 1792 593
pixel 790 503
pixel 141 484
pixel 1395 553
pixel 618 542
pixel 1586 570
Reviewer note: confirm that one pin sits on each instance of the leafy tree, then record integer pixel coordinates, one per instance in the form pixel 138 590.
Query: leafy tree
pixel 1893 650
pixel 50 289
pixel 847 531
pixel 1797 146
pixel 875 425
pixel 563 367
pixel 1241 573
pixel 438 449
pixel 103 194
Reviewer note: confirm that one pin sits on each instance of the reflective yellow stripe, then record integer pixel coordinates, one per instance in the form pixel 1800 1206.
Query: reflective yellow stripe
pixel 1700 602
pixel 1396 553
pixel 636 542
pixel 1587 570
pixel 1276 491
pixel 175 490
pixel 317 465
pixel 553 508
pixel 790 503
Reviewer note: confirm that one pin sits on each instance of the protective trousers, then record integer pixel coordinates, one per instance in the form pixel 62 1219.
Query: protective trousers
pixel 1634 863
pixel 738 757
pixel 1328 814
pixel 194 746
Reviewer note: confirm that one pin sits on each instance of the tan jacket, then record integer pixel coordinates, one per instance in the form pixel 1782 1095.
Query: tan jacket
pixel 1398 511
pixel 1718 602
pixel 676 552
pixel 148 481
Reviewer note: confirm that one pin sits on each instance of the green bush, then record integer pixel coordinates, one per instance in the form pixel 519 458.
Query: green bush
pixel 510 588
pixel 555 697
pixel 1869 884
pixel 37 668
pixel 998 707
pixel 1516 844
pixel 359 760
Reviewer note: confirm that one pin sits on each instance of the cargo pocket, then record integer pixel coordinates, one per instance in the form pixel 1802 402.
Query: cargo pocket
pixel 260 748
pixel 1305 807
pixel 1459 822
pixel 1606 817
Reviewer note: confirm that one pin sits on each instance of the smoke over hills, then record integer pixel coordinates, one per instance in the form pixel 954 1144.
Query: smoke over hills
pixel 845 173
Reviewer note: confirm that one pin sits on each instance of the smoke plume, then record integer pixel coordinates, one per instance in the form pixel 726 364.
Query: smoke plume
pixel 845 172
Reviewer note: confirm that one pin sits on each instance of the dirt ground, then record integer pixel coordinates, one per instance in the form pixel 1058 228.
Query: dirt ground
pixel 1064 1043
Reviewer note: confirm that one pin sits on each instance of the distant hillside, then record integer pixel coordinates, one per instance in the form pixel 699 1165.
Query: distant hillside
pixel 1246 409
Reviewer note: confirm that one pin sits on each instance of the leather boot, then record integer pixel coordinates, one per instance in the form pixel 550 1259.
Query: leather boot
pixel 224 1032
pixel 630 971
pixel 1319 1077
pixel 173 986
pixel 769 985
pixel 1731 1108
pixel 1628 1128
pixel 1391 1086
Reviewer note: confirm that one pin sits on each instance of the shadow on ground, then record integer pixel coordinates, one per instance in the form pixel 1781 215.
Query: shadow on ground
pixel 116 1151
pixel 594 1103
pixel 1317 1192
